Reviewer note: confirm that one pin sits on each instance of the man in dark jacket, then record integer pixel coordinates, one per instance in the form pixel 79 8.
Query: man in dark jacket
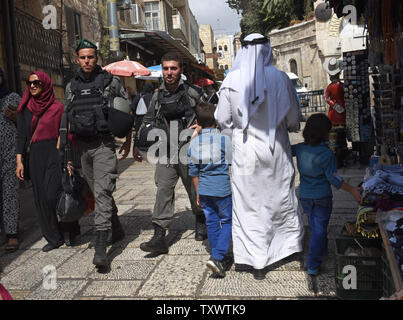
pixel 175 101
pixel 87 96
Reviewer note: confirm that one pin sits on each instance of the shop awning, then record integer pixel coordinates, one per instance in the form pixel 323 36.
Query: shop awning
pixel 156 43
pixel 207 71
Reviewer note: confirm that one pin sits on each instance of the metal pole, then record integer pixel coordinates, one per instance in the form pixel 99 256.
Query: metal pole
pixel 113 27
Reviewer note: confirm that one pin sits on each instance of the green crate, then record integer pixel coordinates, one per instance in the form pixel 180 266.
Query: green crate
pixel 369 270
pixel 359 294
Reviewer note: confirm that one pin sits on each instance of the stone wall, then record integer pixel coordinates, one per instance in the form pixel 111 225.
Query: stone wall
pixel 299 43
pixel 90 26
pixel 207 37
pixel 227 59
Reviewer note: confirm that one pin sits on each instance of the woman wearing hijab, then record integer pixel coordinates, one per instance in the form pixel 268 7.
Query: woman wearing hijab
pixel 259 105
pixel 38 122
pixel 9 204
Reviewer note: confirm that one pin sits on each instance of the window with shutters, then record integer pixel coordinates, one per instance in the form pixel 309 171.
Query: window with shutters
pixel 152 15
pixel 73 23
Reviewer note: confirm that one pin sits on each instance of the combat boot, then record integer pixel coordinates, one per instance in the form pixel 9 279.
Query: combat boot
pixel 157 244
pixel 117 233
pixel 201 229
pixel 100 258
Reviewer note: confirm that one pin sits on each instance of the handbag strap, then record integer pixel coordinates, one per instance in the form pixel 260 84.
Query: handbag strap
pixel 30 142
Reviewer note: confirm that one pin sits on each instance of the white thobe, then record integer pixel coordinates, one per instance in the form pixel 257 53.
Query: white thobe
pixel 267 224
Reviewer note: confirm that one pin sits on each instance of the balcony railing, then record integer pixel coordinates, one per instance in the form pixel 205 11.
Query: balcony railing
pixel 37 46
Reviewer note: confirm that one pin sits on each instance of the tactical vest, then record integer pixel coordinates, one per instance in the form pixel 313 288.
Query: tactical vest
pixel 86 113
pixel 174 106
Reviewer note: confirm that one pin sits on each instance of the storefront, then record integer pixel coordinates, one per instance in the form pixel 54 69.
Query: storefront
pixel 374 105
pixel 150 46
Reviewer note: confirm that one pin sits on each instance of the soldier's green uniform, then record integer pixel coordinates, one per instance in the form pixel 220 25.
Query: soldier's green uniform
pixel 98 159
pixel 87 113
pixel 167 176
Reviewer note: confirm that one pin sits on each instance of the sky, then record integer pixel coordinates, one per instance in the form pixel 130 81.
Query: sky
pixel 216 13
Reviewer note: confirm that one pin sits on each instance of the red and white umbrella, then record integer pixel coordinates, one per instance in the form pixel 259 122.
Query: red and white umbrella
pixel 202 82
pixel 127 68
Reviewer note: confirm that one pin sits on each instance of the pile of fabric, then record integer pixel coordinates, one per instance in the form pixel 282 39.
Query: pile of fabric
pixel 393 224
pixel 383 190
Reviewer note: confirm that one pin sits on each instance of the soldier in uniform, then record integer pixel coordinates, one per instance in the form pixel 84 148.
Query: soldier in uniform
pixel 87 97
pixel 175 101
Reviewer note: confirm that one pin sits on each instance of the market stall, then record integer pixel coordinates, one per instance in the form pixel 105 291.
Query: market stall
pixel 374 107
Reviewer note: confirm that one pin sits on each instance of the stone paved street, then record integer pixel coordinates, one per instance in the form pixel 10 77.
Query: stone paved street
pixel 181 274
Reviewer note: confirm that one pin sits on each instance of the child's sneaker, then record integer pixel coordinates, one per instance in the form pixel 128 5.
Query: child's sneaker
pixel 216 267
pixel 313 272
pixel 227 261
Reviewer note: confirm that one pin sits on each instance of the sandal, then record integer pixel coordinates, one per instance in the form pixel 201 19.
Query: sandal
pixel 11 247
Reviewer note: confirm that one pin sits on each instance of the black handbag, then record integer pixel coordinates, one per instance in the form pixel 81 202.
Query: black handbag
pixel 77 198
pixel 25 157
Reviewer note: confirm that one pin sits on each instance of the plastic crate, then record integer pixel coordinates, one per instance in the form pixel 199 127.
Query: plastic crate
pixel 388 286
pixel 369 270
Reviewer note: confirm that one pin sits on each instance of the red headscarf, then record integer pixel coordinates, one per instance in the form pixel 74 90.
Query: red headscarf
pixel 44 106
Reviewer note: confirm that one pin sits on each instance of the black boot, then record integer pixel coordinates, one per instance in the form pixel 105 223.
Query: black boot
pixel 259 274
pixel 100 258
pixel 201 229
pixel 117 233
pixel 157 244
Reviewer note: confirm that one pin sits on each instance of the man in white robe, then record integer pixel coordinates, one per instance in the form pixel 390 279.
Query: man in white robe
pixel 259 104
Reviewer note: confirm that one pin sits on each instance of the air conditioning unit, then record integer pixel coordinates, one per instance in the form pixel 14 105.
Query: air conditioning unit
pixel 136 14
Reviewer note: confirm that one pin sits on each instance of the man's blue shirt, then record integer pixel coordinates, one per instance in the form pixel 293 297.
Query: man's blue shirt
pixel 210 156
pixel 318 170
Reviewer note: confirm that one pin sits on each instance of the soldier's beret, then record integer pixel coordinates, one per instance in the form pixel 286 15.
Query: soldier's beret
pixel 85 44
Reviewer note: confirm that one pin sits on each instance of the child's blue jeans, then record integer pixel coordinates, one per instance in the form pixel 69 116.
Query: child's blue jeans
pixel 218 212
pixel 318 212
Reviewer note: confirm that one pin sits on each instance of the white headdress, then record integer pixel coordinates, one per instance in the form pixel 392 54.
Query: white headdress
pixel 259 83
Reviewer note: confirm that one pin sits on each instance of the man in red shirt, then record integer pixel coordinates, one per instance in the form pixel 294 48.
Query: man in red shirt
pixel 337 111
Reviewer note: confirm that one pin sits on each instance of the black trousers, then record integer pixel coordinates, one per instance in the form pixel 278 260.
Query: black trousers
pixel 46 180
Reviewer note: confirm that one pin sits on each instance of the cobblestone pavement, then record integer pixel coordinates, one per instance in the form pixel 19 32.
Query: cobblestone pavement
pixel 179 275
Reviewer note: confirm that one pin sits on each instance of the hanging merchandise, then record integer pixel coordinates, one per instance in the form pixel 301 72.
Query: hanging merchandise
pixel 356 96
pixel 385 29
pixel 388 109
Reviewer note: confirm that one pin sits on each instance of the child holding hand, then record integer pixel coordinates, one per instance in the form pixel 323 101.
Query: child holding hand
pixel 318 171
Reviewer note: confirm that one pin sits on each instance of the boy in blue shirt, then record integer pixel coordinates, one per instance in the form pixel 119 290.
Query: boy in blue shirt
pixel 318 171
pixel 210 155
